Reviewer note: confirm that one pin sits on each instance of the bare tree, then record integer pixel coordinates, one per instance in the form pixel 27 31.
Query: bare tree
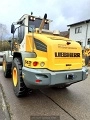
pixel 3 31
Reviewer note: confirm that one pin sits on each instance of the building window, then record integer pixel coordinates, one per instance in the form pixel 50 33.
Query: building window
pixel 88 42
pixel 78 30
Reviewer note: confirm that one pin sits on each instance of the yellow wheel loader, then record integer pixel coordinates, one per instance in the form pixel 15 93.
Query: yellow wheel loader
pixel 43 58
pixel 86 55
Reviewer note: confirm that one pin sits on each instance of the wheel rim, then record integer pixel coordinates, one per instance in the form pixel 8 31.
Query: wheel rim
pixel 15 81
pixel 4 65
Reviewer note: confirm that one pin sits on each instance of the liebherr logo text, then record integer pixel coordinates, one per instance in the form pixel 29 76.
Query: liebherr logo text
pixel 64 54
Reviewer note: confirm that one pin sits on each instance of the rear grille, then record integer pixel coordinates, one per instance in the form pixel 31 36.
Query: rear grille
pixel 40 45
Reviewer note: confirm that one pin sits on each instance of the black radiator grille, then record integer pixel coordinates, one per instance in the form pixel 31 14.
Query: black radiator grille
pixel 40 45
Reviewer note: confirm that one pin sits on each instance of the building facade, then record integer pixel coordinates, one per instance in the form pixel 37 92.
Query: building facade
pixel 80 31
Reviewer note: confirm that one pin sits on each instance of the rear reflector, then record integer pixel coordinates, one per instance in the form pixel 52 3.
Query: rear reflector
pixel 35 63
pixel 38 81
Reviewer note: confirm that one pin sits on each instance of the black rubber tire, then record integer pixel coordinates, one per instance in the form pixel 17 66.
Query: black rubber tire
pixel 20 89
pixel 7 72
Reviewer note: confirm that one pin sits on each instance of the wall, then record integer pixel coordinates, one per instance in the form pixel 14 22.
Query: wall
pixel 80 36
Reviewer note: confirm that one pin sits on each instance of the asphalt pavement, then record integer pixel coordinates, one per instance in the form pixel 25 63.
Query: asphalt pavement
pixel 4 114
pixel 75 100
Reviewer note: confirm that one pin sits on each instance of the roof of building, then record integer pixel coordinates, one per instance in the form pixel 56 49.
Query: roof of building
pixel 64 33
pixel 80 22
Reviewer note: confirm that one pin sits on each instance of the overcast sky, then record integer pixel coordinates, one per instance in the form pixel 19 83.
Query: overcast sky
pixel 62 12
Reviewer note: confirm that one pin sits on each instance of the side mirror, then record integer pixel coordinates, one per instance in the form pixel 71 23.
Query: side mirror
pixel 12 29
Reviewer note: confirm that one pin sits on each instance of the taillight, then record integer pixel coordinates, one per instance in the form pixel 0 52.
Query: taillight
pixel 35 63
pixel 38 81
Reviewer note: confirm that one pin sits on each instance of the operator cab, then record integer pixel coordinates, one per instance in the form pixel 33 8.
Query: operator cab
pixel 26 24
pixel 34 22
pixel 30 22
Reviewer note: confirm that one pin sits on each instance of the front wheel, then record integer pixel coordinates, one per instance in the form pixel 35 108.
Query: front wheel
pixel 18 84
pixel 6 68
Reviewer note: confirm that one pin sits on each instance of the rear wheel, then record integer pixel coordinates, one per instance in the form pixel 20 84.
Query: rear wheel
pixel 6 68
pixel 18 84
